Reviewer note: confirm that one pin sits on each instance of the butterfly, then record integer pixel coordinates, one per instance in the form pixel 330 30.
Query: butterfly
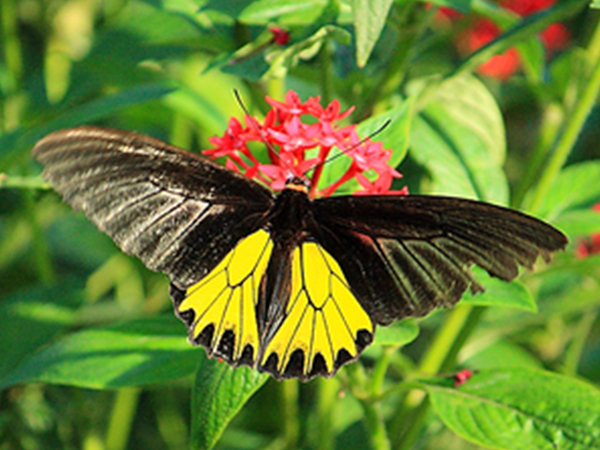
pixel 289 285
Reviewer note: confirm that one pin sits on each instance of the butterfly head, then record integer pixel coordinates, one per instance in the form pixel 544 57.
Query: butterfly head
pixel 297 184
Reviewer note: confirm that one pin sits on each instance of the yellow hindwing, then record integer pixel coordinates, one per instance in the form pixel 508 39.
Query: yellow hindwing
pixel 226 298
pixel 322 316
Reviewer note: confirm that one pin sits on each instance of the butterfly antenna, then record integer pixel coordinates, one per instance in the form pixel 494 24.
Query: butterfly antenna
pixel 346 151
pixel 257 128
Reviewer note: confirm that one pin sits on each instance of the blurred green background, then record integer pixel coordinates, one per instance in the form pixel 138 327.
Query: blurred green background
pixel 91 356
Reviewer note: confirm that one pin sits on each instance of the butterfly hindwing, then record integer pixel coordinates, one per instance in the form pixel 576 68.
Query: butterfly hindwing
pixel 323 325
pixel 220 309
pixel 416 251
pixel 179 213
pixel 314 325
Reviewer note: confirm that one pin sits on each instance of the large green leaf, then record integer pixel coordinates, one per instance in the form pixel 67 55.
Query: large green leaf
pixel 397 334
pixel 96 109
pixel 460 139
pixel 459 5
pixel 219 393
pixel 133 353
pixel 500 293
pixel 282 61
pixel 299 12
pixel 520 409
pixel 576 186
pixel 369 19
pixel 30 318
pixel 579 222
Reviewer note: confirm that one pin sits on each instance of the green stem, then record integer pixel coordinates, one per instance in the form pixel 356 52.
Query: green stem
pixel 327 86
pixel 291 425
pixel 444 340
pixel 570 134
pixel 123 413
pixel 41 253
pixel 552 120
pixel 10 38
pixel 376 426
pixel 326 398
pixel 381 367
pixel 395 69
pixel 582 332
pixel 440 356
pixel 276 88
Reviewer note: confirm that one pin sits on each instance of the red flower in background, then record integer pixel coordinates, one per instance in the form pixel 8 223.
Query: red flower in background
pixel 281 36
pixel 291 129
pixel 590 245
pixel 483 30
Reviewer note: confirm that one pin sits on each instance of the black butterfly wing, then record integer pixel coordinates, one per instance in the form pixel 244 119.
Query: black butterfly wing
pixel 179 213
pixel 406 255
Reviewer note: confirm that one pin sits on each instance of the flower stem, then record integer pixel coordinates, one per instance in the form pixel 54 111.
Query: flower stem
pixel 571 132
pixel 582 332
pixel 440 356
pixel 395 69
pixel 376 426
pixel 326 394
pixel 374 422
pixel 291 426
pixel 41 252
pixel 121 419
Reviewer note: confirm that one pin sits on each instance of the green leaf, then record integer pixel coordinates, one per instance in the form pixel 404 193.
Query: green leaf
pixel 397 334
pixel 576 186
pixel 460 139
pixel 219 393
pixel 282 61
pixel 31 317
pixel 300 11
pixel 132 353
pixel 500 293
pixel 595 4
pixel 96 109
pixel 502 354
pixel 369 20
pixel 459 5
pixel 519 409
pixel 579 223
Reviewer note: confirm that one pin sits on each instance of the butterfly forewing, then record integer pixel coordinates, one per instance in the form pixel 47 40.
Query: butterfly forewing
pixel 179 213
pixel 416 251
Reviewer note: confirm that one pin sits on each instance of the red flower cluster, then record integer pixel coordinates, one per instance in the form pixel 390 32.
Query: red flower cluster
pixel 483 30
pixel 590 245
pixel 293 128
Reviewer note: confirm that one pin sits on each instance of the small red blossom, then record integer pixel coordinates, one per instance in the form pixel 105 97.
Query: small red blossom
pixel 462 377
pixel 281 36
pixel 483 30
pixel 299 137
pixel 590 245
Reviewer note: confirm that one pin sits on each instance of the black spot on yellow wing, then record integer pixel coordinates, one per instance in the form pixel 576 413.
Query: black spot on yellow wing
pixel 220 310
pixel 324 326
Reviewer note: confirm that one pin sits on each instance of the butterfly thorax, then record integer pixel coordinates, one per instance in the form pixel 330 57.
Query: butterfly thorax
pixel 290 219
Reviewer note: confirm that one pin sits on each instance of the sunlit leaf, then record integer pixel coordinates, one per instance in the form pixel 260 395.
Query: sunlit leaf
pixel 520 409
